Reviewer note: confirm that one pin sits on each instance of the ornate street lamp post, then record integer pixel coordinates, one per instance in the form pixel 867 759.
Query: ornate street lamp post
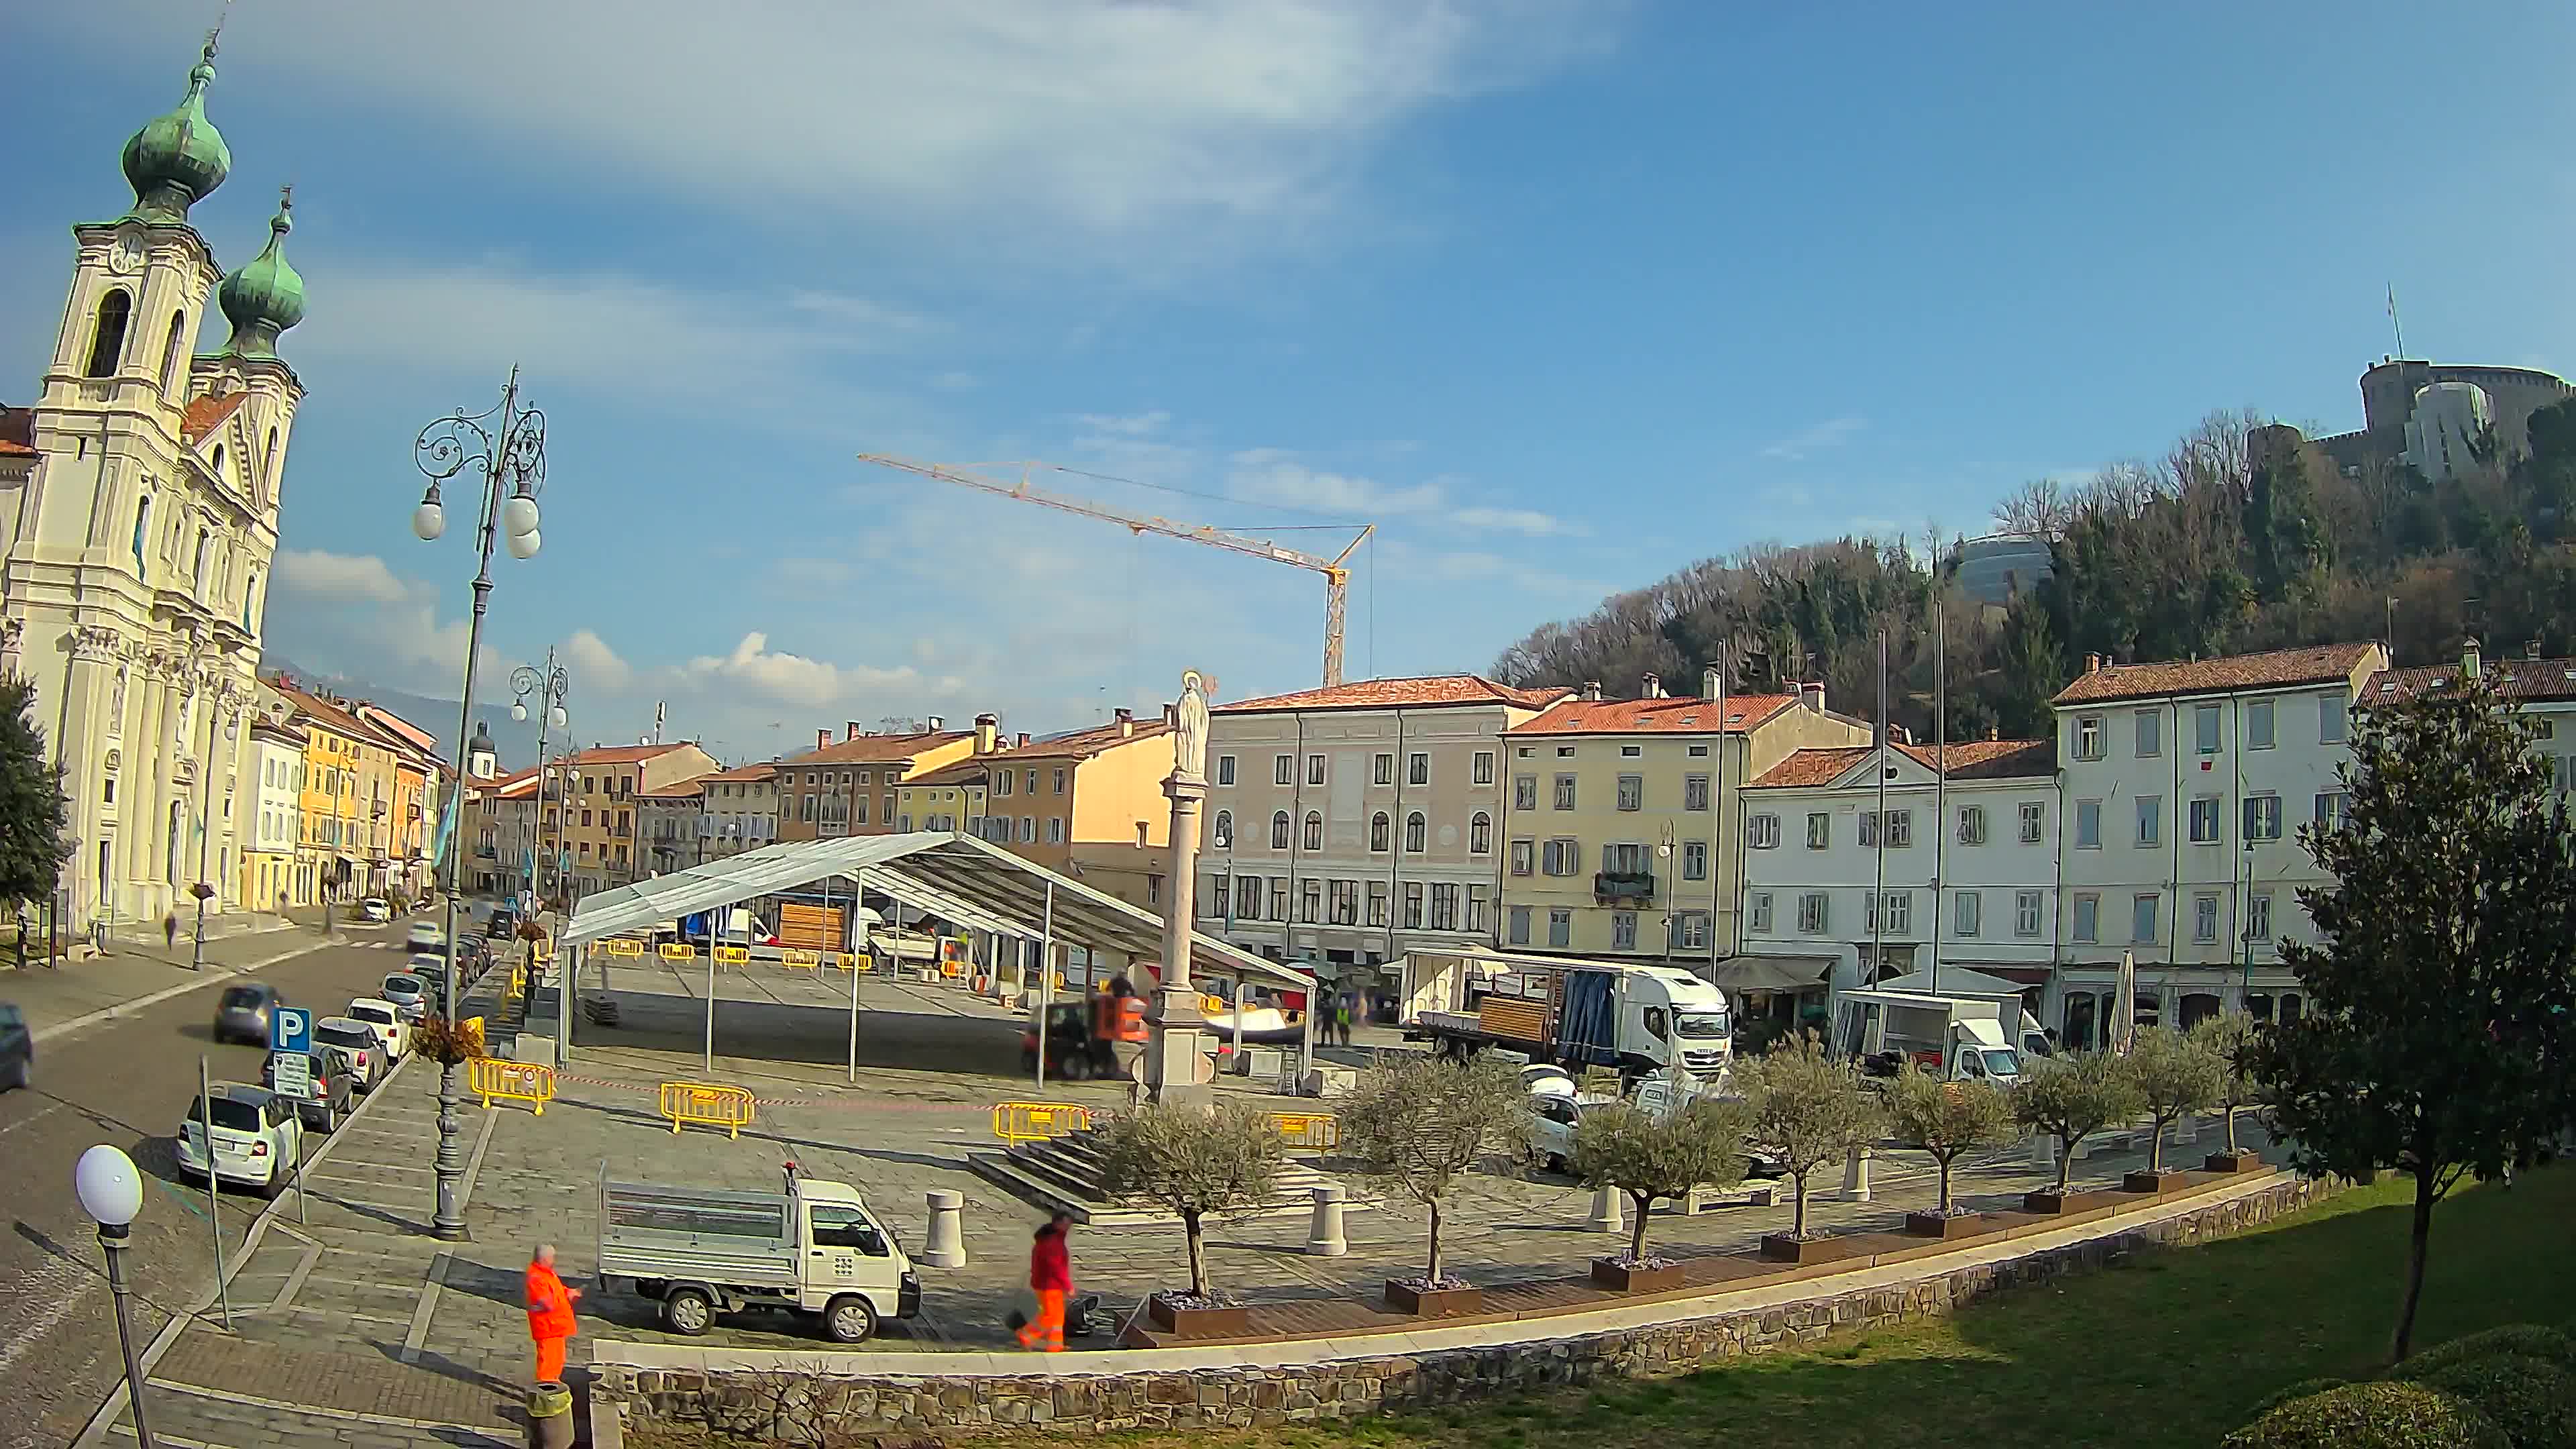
pixel 111 1192
pixel 550 685
pixel 506 446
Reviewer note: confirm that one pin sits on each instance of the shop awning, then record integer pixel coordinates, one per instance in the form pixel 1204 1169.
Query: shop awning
pixel 1957 980
pixel 1766 973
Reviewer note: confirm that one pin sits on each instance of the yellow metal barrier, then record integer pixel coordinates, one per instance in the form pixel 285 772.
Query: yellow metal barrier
pixel 952 969
pixel 529 1082
pixel 1308 1129
pixel 708 1105
pixel 1037 1121
pixel 679 951
pixel 518 980
pixel 733 955
pixel 848 961
pixel 621 946
pixel 798 959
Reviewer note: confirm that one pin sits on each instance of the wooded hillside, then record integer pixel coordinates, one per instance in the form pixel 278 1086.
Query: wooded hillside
pixel 2222 546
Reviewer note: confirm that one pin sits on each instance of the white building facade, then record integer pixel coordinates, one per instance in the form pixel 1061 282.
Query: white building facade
pixel 139 547
pixel 274 767
pixel 1964 875
pixel 2184 785
pixel 1341 823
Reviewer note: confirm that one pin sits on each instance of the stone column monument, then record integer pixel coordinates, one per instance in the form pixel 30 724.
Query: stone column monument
pixel 1179 1044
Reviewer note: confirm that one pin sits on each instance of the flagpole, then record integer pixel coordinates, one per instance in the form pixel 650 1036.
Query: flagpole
pixel 1878 854
pixel 1941 782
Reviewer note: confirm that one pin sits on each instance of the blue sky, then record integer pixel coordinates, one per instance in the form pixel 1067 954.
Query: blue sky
pixel 1562 296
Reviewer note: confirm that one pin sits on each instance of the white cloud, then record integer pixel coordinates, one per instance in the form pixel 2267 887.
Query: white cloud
pixel 1528 522
pixel 597 665
pixel 1128 425
pixel 352 614
pixel 1106 120
pixel 1268 475
pixel 793 679
pixel 323 575
pixel 1832 433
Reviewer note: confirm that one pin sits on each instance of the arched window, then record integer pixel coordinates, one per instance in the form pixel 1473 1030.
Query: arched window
pixel 170 353
pixel 1480 833
pixel 267 484
pixel 250 597
pixel 1279 830
pixel 1415 828
pixel 1224 829
pixel 1380 829
pixel 142 523
pixel 107 340
pixel 1314 831
pixel 219 460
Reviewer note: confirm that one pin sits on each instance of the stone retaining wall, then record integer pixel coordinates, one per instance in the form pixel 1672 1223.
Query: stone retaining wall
pixel 807 1406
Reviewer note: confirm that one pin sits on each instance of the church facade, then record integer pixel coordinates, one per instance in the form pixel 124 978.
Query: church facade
pixel 138 545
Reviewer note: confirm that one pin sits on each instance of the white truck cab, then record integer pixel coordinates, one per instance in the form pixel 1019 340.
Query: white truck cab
pixel 1956 1038
pixel 814 1249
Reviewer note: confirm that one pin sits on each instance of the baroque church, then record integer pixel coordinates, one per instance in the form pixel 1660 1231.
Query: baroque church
pixel 138 523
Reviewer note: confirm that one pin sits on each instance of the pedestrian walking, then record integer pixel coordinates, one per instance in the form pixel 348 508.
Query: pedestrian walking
pixel 170 930
pixel 1050 1278
pixel 550 1320
pixel 1342 1017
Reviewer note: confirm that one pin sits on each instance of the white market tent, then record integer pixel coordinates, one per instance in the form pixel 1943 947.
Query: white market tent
pixel 956 878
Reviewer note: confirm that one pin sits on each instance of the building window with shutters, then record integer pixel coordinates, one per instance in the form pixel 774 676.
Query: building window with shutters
pixel 1381 832
pixel 1523 856
pixel 1477 904
pixel 1417 833
pixel 1444 906
pixel 1484 767
pixel 1480 834
pixel 1377 903
pixel 1632 792
pixel 1560 927
pixel 1525 792
pixel 1694 860
pixel 1565 792
pixel 1517 926
pixel 1314 830
pixel 1310 902
pixel 1413 904
pixel 1623 930
pixel 1279 830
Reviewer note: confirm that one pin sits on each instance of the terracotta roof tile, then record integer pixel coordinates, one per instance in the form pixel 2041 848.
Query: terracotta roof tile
pixel 329 715
pixel 1685 714
pixel 1076 745
pixel 765 770
pixel 9 449
pixel 1969 760
pixel 623 754
pixel 688 789
pixel 874 749
pixel 17 432
pixel 1415 693
pixel 2525 679
pixel 2276 669
pixel 205 414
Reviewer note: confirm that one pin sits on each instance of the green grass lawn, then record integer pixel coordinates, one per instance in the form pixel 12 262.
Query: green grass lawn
pixel 2171 1348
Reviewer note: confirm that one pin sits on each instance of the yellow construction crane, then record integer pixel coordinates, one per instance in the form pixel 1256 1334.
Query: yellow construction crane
pixel 1337 577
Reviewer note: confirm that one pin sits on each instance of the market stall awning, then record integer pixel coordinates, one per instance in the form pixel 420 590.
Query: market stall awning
pixel 981 883
pixel 1958 981
pixel 1767 973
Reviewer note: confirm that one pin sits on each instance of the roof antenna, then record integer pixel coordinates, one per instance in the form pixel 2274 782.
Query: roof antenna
pixel 2394 325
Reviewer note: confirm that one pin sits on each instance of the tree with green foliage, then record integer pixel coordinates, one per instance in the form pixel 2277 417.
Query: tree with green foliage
pixel 1421 1124
pixel 33 842
pixel 1196 1162
pixel 2072 1097
pixel 2174 1075
pixel 2437 1042
pixel 1946 1120
pixel 2228 1037
pixel 1652 1157
pixel 1808 1110
pixel 2371 1416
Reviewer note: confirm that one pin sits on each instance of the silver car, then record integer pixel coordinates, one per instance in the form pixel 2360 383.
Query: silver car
pixel 408 993
pixel 243 1012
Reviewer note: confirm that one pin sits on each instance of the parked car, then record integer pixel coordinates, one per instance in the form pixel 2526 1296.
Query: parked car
pixel 408 993
pixel 369 1062
pixel 504 921
pixel 242 1012
pixel 386 1021
pixel 376 911
pixel 332 1094
pixel 17 1048
pixel 425 936
pixel 1542 1079
pixel 1551 1129
pixel 258 1138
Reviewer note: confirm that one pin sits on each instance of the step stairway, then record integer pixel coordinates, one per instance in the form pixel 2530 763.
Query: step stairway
pixel 1063 1174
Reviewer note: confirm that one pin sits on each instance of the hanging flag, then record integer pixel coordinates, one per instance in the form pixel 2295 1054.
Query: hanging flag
pixel 446 830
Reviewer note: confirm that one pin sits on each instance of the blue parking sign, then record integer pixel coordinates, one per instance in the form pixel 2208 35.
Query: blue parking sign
pixel 290 1030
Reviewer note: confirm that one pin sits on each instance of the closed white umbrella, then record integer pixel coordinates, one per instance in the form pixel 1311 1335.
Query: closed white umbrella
pixel 2124 1005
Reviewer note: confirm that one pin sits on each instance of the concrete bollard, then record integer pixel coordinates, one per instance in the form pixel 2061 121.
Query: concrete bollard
pixel 1324 1237
pixel 1609 1211
pixel 1856 1175
pixel 946 1246
pixel 2084 1149
pixel 2184 1132
pixel 2043 1152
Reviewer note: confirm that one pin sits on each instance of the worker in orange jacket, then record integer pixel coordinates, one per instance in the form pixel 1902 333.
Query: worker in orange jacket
pixel 550 1320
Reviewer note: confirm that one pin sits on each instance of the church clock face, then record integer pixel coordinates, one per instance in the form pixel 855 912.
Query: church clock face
pixel 125 255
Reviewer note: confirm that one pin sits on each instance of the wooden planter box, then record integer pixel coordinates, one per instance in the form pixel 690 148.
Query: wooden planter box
pixel 2171 1179
pixel 1232 1320
pixel 2052 1203
pixel 1781 1248
pixel 1618 1277
pixel 1955 1226
pixel 2241 1160
pixel 1436 1302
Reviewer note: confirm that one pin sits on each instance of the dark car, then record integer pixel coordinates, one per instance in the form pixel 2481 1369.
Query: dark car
pixel 334 1092
pixel 17 1048
pixel 504 921
pixel 243 1013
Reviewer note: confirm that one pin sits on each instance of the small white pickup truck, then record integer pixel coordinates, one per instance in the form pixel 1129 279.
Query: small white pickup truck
pixel 814 1249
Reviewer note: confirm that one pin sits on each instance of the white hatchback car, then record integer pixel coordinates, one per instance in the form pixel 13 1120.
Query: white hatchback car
pixel 258 1137
pixel 384 1019
pixel 369 1062
pixel 375 910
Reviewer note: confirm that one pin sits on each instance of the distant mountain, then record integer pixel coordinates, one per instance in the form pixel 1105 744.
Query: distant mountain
pixel 517 742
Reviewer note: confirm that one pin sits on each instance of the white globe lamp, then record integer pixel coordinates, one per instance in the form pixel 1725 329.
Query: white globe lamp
pixel 111 1190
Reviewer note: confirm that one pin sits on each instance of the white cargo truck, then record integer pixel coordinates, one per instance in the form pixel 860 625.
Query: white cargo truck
pixel 814 1250
pixel 1639 1018
pixel 1955 1038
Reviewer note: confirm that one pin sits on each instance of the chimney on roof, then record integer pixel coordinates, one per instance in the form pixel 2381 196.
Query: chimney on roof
pixel 850 729
pixel 1654 685
pixel 1023 739
pixel 822 739
pixel 988 729
pixel 2531 647
pixel 1812 695
pixel 1993 734
pixel 1592 690
pixel 1126 723
pixel 1711 683
pixel 937 723
pixel 2469 661
pixel 2092 663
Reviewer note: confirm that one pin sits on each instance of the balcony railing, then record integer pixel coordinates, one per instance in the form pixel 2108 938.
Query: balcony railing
pixel 1622 885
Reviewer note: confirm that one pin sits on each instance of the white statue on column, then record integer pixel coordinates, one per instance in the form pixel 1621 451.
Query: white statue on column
pixel 1191 742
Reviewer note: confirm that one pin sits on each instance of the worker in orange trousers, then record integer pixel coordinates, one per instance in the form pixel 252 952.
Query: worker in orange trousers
pixel 1050 1278
pixel 550 1320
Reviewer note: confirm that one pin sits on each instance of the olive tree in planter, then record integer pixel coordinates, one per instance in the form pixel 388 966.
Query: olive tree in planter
pixel 1808 1110
pixel 1420 1125
pixel 2227 1036
pixel 1945 1121
pixel 1196 1162
pixel 1650 1157
pixel 2070 1098
pixel 2175 1076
